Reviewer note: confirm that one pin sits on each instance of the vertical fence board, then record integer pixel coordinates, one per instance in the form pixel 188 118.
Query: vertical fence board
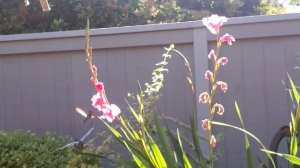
pixel 12 93
pixel 81 91
pixel 2 97
pixel 46 94
pixel 29 83
pixel 63 93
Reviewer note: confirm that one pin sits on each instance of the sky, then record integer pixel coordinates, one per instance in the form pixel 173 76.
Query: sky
pixel 290 8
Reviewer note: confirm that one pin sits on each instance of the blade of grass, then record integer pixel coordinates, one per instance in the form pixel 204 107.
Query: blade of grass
pixel 248 133
pixel 177 149
pixel 164 141
pixel 294 90
pixel 247 144
pixel 195 132
pixel 156 151
pixel 290 158
pixel 187 163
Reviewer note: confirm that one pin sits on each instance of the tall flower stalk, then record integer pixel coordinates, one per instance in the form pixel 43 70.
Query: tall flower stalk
pixel 213 24
pixel 99 100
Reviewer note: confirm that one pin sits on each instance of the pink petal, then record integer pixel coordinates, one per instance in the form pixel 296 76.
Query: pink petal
pixel 213 141
pixel 97 101
pixel 220 108
pixel 223 85
pixel 222 61
pixel 203 97
pixel 227 38
pixel 212 55
pixel 99 86
pixel 208 75
pixel 214 22
pixel 110 112
pixel 205 124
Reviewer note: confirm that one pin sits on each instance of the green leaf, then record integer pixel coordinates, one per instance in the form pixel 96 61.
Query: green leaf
pixel 247 144
pixel 136 159
pixel 177 149
pixel 164 141
pixel 295 92
pixel 132 110
pixel 187 163
pixel 195 133
pixel 290 158
pixel 294 146
pixel 157 154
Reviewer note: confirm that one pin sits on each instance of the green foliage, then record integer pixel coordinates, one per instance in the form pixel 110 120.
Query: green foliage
pixel 270 8
pixel 15 17
pixel 294 2
pixel 231 8
pixel 294 129
pixel 25 149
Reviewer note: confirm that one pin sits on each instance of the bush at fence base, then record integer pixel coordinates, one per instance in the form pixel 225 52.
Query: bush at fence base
pixel 25 149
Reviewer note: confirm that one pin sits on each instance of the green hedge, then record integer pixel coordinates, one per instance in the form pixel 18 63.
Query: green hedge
pixel 25 149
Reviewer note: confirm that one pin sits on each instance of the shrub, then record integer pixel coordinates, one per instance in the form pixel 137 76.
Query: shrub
pixel 26 149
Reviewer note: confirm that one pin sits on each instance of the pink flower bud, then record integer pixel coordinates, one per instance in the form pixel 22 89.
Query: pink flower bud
pixel 213 141
pixel 204 97
pixel 99 86
pixel 212 55
pixel 222 61
pixel 208 75
pixel 223 85
pixel 205 124
pixel 227 38
pixel 220 108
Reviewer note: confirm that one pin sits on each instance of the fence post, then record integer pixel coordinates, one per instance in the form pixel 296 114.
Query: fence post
pixel 200 66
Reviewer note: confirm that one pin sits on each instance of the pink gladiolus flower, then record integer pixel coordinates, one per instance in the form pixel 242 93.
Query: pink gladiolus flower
pixel 99 86
pixel 97 101
pixel 212 55
pixel 222 61
pixel 213 141
pixel 203 98
pixel 205 124
pixel 214 22
pixel 110 112
pixel 222 85
pixel 208 74
pixel 220 108
pixel 227 38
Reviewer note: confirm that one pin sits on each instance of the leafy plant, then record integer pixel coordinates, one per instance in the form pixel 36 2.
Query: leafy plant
pixel 294 129
pixel 25 149
pixel 145 150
